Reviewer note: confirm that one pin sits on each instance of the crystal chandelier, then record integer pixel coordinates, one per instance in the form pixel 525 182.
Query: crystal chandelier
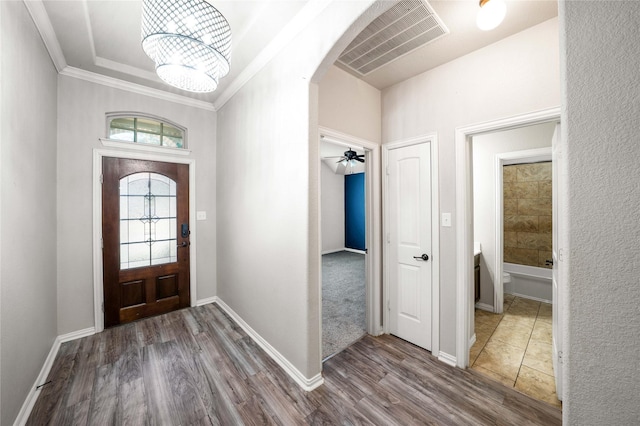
pixel 189 41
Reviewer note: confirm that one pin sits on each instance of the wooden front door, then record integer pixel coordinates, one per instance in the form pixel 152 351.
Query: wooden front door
pixel 145 232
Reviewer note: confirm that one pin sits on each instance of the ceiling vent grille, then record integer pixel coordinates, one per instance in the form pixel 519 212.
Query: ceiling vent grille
pixel 402 29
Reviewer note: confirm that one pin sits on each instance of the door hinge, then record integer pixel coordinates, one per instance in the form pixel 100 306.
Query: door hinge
pixel 388 305
pixel 560 359
pixel 101 243
pixel 388 237
pixel 101 178
pixel 387 170
pixel 102 307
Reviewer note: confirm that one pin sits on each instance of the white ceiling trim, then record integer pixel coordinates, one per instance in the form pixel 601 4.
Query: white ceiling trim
pixel 135 88
pixel 87 20
pixel 126 69
pixel 43 24
pixel 309 12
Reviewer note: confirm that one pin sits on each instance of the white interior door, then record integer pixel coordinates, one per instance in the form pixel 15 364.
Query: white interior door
pixel 409 243
pixel 558 261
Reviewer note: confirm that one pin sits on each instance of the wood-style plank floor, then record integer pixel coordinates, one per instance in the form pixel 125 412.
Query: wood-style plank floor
pixel 197 367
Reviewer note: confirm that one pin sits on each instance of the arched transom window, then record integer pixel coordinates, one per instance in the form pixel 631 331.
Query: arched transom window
pixel 145 130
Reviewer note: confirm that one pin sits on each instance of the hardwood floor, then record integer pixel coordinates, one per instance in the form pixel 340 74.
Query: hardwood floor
pixel 196 366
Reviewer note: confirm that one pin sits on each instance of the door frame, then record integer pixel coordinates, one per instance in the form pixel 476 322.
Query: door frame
pixel 464 206
pixel 98 285
pixel 503 159
pixel 372 226
pixel 432 139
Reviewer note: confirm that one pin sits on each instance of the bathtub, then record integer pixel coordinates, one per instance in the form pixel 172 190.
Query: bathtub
pixel 529 281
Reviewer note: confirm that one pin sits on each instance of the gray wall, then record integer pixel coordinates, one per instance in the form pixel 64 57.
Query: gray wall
pixel 516 75
pixel 349 105
pixel 82 106
pixel 268 216
pixel 601 106
pixel 332 210
pixel 28 209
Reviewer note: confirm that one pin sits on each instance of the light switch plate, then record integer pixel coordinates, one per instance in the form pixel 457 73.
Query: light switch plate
pixel 446 219
pixel 201 215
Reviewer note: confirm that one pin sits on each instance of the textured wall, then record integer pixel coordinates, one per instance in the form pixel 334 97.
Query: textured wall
pixel 519 75
pixel 601 106
pixel 527 213
pixel 28 193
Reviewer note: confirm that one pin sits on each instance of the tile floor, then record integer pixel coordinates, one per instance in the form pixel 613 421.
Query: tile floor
pixel 515 347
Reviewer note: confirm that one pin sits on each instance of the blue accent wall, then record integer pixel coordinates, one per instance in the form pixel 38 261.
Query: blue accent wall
pixel 354 217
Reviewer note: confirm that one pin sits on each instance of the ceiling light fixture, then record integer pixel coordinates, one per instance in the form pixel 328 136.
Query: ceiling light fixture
pixel 491 14
pixel 189 41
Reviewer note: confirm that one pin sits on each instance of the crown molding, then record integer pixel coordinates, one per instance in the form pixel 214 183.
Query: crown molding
pixel 87 23
pixel 309 12
pixel 43 24
pixel 41 19
pixel 126 69
pixel 134 88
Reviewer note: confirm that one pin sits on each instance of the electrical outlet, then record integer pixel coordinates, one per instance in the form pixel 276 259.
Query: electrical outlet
pixel 201 215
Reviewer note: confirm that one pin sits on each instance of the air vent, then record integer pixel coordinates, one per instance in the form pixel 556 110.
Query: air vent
pixel 402 29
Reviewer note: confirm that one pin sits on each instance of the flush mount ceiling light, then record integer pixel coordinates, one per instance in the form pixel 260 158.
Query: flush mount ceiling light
pixel 491 14
pixel 189 41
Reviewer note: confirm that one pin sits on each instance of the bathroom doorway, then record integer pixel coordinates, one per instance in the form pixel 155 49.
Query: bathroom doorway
pixel 512 197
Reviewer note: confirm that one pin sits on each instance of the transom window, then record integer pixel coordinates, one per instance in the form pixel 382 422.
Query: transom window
pixel 145 130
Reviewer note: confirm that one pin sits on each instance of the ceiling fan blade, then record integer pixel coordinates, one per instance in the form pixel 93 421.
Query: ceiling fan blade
pixel 359 159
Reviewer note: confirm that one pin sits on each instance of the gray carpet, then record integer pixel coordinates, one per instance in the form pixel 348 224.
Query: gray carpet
pixel 343 301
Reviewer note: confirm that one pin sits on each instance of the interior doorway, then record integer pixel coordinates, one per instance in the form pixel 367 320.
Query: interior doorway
pixel 464 203
pixel 512 216
pixel 350 289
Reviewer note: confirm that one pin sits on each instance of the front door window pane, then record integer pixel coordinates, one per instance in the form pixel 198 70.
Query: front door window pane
pixel 148 220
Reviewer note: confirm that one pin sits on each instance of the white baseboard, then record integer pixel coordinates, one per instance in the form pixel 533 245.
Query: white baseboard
pixel 485 307
pixel 472 340
pixel 355 251
pixel 447 359
pixel 32 397
pixel 537 299
pixel 307 384
pixel 206 301
pixel 333 251
pixel 90 331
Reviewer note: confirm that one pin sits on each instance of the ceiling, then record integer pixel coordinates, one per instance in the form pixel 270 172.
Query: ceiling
pixel 103 38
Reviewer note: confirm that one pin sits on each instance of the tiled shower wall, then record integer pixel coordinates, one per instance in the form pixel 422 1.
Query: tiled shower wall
pixel 527 213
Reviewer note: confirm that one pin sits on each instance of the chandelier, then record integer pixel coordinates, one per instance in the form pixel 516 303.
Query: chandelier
pixel 189 41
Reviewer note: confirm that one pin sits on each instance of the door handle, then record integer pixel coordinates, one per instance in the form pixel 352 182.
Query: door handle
pixel 424 256
pixel 184 244
pixel 548 262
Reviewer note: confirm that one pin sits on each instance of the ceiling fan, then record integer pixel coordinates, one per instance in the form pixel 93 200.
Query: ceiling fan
pixel 349 157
